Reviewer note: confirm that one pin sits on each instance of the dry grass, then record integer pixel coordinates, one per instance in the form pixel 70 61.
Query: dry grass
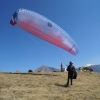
pixel 49 86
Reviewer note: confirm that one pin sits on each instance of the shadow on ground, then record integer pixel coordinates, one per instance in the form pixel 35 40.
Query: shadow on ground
pixel 62 85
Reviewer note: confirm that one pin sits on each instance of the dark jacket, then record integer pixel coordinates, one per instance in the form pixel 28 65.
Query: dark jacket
pixel 70 68
pixel 72 71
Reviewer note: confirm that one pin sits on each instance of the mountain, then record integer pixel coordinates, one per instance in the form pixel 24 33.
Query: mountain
pixel 46 69
pixel 96 68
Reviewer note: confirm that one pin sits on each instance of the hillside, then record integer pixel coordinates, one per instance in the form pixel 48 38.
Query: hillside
pixel 49 86
pixel 46 69
pixel 96 68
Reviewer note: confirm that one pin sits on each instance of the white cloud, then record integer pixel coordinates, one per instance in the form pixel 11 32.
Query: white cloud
pixel 87 65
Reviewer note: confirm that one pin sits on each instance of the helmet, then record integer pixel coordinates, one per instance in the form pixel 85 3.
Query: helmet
pixel 70 62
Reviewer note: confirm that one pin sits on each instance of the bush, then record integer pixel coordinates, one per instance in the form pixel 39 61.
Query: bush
pixel 30 70
pixel 88 68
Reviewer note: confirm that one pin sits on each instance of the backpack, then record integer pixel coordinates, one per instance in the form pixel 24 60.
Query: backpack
pixel 75 74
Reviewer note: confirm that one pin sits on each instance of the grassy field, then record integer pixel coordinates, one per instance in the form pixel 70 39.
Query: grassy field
pixel 49 86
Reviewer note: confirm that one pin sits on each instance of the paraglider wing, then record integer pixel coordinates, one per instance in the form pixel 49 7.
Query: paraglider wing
pixel 44 28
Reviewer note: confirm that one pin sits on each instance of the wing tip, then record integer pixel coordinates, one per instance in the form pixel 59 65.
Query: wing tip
pixel 11 22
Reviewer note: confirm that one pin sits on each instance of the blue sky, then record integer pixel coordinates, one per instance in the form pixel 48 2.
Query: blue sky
pixel 19 50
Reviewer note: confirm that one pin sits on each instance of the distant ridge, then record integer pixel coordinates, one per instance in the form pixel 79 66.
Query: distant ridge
pixel 46 69
pixel 96 68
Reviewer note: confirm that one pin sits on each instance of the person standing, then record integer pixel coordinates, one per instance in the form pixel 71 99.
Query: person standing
pixel 70 70
pixel 61 67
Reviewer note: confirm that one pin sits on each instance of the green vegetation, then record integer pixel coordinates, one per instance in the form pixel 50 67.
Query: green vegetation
pixel 49 86
pixel 85 69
